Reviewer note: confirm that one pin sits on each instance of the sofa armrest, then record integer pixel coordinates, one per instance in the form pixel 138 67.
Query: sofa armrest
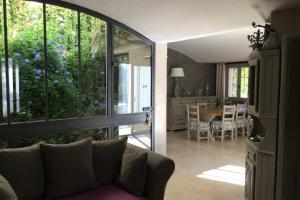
pixel 159 171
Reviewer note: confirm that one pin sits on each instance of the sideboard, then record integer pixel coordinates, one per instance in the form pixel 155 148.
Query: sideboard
pixel 176 110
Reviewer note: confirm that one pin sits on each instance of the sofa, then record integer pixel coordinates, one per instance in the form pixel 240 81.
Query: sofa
pixel 83 170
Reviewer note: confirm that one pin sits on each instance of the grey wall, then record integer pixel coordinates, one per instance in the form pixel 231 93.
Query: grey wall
pixel 197 75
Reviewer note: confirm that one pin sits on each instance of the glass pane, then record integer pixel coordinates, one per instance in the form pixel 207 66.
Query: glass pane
pixel 3 100
pixel 26 60
pixel 62 48
pixel 93 66
pixel 59 138
pixel 132 72
pixel 138 134
pixel 232 82
pixel 244 82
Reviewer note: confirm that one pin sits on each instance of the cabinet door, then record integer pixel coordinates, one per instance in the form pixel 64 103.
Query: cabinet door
pixel 269 83
pixel 264 181
pixel 179 115
pixel 249 183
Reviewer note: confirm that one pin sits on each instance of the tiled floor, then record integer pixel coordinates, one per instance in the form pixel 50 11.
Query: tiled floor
pixel 206 171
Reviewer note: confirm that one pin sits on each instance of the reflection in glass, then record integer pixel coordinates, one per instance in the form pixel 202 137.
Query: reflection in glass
pixel 26 60
pixel 138 134
pixel 62 48
pixel 132 72
pixel 59 138
pixel 93 66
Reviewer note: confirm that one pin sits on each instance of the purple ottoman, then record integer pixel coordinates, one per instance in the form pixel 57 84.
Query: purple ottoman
pixel 107 192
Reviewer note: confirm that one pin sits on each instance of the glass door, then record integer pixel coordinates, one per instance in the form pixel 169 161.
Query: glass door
pixel 132 86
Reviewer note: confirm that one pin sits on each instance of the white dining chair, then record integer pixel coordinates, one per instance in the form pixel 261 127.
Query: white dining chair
pixel 227 125
pixel 240 119
pixel 194 124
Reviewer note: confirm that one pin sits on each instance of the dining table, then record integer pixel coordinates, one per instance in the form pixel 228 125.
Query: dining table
pixel 209 114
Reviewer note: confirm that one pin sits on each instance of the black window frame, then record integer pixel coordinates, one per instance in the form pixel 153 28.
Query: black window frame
pixel 13 130
pixel 239 66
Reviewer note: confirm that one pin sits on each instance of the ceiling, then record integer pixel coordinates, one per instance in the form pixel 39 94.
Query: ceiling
pixel 224 47
pixel 208 30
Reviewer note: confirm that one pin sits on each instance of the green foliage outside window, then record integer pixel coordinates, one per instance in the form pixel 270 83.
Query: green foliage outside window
pixel 67 98
pixel 58 138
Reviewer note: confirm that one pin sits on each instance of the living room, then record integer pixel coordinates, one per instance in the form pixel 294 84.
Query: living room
pixel 86 89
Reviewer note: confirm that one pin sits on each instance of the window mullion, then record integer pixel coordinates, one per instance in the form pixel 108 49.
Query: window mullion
pixel 239 83
pixel 6 62
pixel 109 78
pixel 45 64
pixel 79 63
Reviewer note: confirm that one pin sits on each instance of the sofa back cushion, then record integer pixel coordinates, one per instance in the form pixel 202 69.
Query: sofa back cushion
pixel 23 168
pixel 6 191
pixel 133 171
pixel 107 158
pixel 69 168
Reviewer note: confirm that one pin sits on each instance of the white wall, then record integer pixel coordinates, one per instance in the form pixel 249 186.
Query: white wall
pixel 160 98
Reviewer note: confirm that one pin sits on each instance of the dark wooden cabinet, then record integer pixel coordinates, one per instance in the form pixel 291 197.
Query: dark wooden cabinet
pixel 288 159
pixel 250 166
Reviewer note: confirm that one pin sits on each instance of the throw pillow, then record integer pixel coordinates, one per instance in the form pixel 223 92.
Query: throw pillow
pixel 107 158
pixel 69 168
pixel 133 171
pixel 6 191
pixel 23 168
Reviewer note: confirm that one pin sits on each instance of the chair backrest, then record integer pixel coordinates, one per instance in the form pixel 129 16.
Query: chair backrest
pixel 228 114
pixel 202 105
pixel 240 112
pixel 192 113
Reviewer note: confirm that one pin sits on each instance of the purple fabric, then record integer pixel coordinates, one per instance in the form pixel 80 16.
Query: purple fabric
pixel 107 192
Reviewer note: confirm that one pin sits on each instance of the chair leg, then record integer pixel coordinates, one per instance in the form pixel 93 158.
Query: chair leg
pixel 232 133
pixel 208 135
pixel 198 134
pixel 222 135
pixel 189 129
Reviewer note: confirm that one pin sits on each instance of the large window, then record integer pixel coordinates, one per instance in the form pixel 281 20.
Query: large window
pixel 62 56
pixel 132 72
pixel 138 134
pixel 67 83
pixel 64 67
pixel 93 66
pixel 57 138
pixel 237 81
pixel 26 70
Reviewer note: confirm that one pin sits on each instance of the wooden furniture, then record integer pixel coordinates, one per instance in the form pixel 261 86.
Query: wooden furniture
pixel 227 124
pixel 263 107
pixel 210 113
pixel 202 106
pixel 288 158
pixel 202 128
pixel 176 110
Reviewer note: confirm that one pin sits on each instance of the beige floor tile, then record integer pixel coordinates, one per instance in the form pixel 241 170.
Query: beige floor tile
pixel 193 158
